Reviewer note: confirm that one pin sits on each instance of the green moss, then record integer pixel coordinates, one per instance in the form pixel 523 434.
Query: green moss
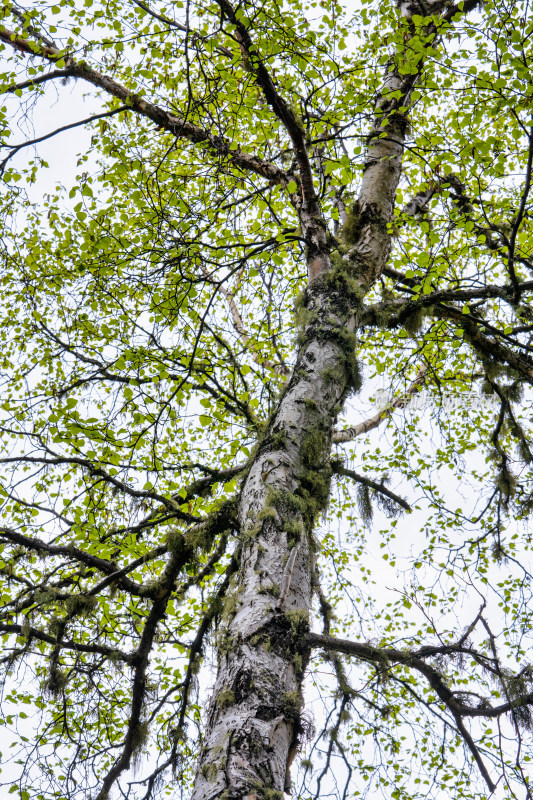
pixel 382 665
pixel 55 626
pixel 209 772
pixel 348 341
pixel 333 374
pixel 513 391
pixel 297 663
pixel 413 322
pixel 250 533
pixel 140 736
pixel 352 227
pixel 291 705
pixel 300 300
pixel 314 495
pixel 231 602
pixel 506 482
pixel 266 793
pixel 56 682
pixel 348 368
pixel 225 698
pixel 314 446
pixel 304 317
pixel 80 605
pixel 294 529
pixel 114 657
pixel 365 504
pixel 230 608
pixel 345 715
pixel 492 369
pixel 283 500
pixel 382 318
pixel 273 590
pixel 225 641
pixel 341 280
pixel 42 598
pixel 268 512
pixel 199 538
pixel 174 539
pixel 298 619
pixel 278 440
pixel 317 484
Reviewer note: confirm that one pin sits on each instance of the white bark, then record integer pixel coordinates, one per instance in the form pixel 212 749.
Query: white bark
pixel 254 719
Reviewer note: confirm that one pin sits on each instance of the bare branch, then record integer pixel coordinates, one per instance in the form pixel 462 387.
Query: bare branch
pixel 16 147
pixel 349 434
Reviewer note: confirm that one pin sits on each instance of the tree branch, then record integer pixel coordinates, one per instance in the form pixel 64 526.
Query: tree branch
pixel 414 660
pixel 67 644
pixel 518 221
pixel 133 737
pixel 69 551
pixel 374 485
pixel 178 127
pixel 49 76
pixel 238 324
pixel 16 147
pixel 183 28
pixel 307 205
pixel 170 503
pixel 349 434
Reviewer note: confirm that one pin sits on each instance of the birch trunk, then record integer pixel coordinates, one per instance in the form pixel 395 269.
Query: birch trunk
pixel 254 720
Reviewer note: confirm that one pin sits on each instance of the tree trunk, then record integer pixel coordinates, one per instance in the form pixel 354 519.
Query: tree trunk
pixel 254 720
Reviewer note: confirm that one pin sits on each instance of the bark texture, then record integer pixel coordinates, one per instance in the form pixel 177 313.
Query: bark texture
pixel 254 720
pixel 255 716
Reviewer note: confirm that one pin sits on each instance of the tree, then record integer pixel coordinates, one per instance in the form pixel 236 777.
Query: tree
pixel 283 208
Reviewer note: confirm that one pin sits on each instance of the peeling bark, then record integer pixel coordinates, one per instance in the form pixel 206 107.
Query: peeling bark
pixel 254 719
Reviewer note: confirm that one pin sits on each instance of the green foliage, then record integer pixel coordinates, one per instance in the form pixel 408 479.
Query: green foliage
pixel 154 309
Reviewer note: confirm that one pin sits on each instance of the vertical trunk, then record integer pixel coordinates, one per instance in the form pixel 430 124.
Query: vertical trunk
pixel 254 718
